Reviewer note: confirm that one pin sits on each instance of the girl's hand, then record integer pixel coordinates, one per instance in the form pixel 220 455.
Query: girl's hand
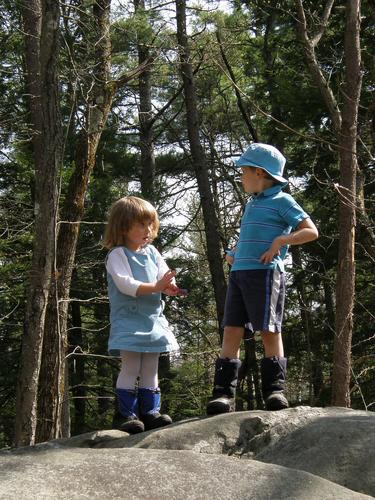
pixel 171 289
pixel 165 282
pixel 174 290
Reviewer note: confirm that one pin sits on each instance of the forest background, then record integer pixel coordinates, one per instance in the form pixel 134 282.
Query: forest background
pixel 155 99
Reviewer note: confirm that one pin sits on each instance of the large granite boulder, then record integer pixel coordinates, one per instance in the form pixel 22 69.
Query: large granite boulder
pixel 299 453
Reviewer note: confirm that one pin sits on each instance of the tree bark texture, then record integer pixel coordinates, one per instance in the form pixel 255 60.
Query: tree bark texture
pixel 41 22
pixel 309 45
pixel 213 239
pixel 146 135
pixel 249 371
pixel 345 127
pixel 313 360
pixel 53 414
pixel 345 285
pixel 53 390
pixel 365 234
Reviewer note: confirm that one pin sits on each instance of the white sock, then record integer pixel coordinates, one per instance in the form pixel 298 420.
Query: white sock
pixel 130 370
pixel 148 378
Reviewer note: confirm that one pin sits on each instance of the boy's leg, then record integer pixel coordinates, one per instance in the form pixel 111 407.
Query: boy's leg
pixel 228 364
pixel 226 372
pixel 273 344
pixel 231 342
pixel 273 369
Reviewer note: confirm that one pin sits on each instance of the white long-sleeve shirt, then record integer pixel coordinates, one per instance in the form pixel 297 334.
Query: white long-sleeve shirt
pixel 118 267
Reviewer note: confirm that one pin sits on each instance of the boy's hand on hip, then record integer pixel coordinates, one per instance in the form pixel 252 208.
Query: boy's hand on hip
pixel 273 250
pixel 229 259
pixel 229 255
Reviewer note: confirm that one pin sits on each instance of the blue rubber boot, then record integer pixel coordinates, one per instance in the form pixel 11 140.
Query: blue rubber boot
pixel 149 409
pixel 128 406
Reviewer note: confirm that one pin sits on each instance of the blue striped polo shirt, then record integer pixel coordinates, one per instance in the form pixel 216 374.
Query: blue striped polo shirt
pixel 267 215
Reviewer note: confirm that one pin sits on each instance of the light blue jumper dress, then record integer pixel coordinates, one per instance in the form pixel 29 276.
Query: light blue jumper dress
pixel 138 323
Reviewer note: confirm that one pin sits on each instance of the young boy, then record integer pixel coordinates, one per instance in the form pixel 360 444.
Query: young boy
pixel 272 220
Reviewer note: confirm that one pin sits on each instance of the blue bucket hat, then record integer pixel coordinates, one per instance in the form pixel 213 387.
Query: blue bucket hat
pixel 266 157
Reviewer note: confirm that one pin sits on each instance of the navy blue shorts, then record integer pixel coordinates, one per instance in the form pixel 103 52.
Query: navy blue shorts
pixel 255 298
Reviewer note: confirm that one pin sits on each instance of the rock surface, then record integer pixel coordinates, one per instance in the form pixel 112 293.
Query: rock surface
pixel 157 474
pixel 253 455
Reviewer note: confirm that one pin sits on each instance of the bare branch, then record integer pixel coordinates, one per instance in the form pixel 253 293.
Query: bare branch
pixel 323 23
pixel 316 72
pixel 131 75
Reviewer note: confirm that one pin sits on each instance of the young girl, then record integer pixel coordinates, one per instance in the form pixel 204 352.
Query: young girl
pixel 137 275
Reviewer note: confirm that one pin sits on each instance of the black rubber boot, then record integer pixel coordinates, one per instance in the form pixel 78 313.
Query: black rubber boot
pixel 149 407
pixel 273 383
pixel 225 382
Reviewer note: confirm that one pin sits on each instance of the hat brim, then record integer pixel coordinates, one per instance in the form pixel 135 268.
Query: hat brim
pixel 246 163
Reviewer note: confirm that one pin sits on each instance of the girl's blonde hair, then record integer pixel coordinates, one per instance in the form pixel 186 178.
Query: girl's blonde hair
pixel 123 214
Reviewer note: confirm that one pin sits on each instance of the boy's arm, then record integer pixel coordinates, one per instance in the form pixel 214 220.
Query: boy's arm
pixel 229 255
pixel 306 231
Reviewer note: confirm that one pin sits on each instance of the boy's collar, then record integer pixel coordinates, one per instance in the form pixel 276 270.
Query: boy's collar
pixel 272 190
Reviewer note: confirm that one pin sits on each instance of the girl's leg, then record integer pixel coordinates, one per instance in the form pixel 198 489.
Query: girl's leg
pixel 130 370
pixel 148 376
pixel 127 394
pixel 149 393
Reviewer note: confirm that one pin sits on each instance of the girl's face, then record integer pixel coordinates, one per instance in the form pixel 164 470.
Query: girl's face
pixel 138 235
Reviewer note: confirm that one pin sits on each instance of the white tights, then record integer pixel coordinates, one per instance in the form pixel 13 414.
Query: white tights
pixel 138 364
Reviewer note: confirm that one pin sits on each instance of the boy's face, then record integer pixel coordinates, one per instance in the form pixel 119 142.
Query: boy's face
pixel 251 179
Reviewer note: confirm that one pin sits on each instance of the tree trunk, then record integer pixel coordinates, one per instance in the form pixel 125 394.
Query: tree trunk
pixel 250 371
pixel 345 127
pixel 365 234
pixel 313 361
pixel 146 136
pixel 52 378
pixel 41 21
pixel 211 224
pixel 345 285
pixel 54 409
pixel 313 63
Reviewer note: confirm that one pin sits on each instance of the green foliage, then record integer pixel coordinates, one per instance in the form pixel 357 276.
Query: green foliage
pixel 285 108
